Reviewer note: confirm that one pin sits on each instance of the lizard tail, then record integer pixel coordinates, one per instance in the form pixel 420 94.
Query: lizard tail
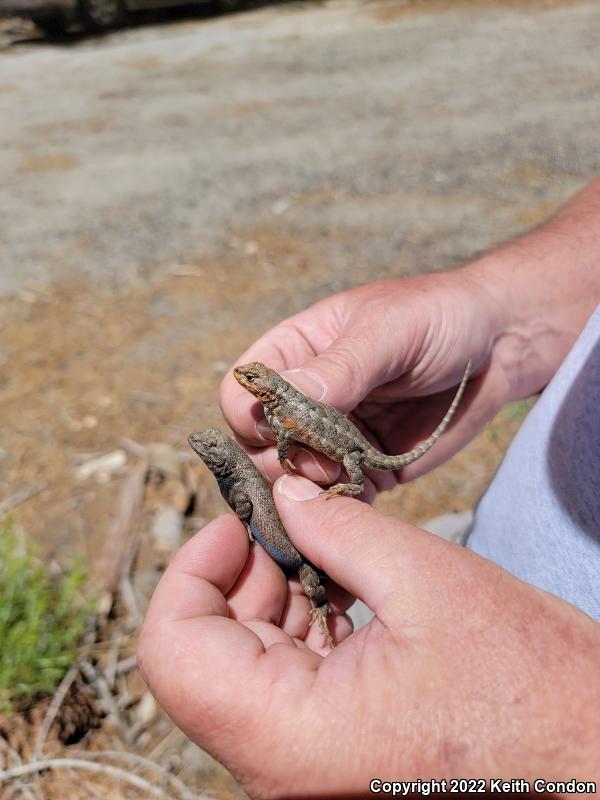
pixel 375 460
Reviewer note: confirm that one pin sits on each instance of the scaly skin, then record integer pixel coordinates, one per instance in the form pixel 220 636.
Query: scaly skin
pixel 295 417
pixel 249 495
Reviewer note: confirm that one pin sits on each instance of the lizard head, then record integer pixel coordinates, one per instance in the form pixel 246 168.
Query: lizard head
pixel 259 380
pixel 213 447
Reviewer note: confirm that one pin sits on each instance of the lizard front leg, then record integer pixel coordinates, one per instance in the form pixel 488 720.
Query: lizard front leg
pixel 284 440
pixel 356 483
pixel 242 505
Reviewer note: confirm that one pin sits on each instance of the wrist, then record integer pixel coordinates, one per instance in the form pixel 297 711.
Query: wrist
pixel 536 311
pixel 543 288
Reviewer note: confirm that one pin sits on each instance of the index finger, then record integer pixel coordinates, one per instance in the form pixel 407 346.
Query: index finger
pixel 281 348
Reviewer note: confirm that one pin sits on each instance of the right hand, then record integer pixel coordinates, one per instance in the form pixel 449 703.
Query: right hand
pixel 391 353
pixel 465 671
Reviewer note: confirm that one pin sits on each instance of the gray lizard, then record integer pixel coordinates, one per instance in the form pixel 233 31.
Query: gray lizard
pixel 250 496
pixel 295 417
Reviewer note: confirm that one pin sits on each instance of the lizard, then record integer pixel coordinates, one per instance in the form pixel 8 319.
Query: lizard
pixel 250 496
pixel 293 416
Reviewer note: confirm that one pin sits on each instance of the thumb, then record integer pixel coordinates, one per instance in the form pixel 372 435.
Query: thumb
pixel 377 558
pixel 354 363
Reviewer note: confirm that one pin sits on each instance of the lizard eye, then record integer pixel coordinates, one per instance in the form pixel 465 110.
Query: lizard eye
pixel 250 378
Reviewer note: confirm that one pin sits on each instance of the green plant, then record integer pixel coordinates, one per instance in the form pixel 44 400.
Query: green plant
pixel 520 408
pixel 42 619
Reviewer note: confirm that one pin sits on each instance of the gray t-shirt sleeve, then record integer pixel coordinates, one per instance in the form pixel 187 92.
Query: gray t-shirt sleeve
pixel 540 517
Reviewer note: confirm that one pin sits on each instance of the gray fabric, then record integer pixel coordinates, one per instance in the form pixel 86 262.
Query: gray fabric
pixel 540 518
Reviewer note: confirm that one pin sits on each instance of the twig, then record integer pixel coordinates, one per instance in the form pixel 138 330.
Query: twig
pixel 112 660
pixel 53 709
pixel 118 543
pixel 19 497
pixel 134 448
pixel 126 590
pixel 62 690
pixel 147 763
pixel 174 734
pixel 98 681
pixel 87 787
pixel 138 728
pixel 27 793
pixel 126 665
pixel 11 751
pixel 20 790
pixel 91 766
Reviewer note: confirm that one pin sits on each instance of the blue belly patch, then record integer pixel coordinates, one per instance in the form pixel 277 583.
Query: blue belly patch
pixel 287 560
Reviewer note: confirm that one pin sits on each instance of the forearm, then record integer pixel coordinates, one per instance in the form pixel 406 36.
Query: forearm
pixel 542 288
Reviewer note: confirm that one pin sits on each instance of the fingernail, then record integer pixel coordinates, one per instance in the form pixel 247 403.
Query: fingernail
pixel 295 487
pixel 308 382
pixel 264 431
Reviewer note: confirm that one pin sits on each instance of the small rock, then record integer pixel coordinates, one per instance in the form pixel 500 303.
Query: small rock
pixel 104 604
pixel 163 458
pixel 196 760
pixel 181 498
pixel 454 527
pixel 107 463
pixel 280 206
pixel 219 367
pixel 167 529
pixel 360 614
pixel 146 709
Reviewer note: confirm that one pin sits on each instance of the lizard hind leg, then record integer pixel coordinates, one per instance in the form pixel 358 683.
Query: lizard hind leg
pixel 315 591
pixel 353 465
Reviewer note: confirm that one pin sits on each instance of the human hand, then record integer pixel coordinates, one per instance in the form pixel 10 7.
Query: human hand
pixel 391 353
pixel 464 671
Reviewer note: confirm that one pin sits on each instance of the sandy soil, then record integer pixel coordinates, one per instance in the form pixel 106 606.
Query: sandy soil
pixel 172 190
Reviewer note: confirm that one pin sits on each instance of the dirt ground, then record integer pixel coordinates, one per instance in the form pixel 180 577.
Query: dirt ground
pixel 172 190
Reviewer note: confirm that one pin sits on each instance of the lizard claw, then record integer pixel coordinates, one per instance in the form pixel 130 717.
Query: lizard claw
pixel 288 465
pixel 350 489
pixel 319 614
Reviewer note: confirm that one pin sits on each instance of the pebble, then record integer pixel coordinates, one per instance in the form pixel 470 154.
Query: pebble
pixel 146 709
pixel 453 527
pixel 167 529
pixel 103 465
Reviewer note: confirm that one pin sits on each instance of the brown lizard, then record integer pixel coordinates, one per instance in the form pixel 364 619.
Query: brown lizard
pixel 250 496
pixel 295 417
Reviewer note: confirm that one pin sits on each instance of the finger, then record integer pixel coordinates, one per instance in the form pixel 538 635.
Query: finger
pixel 260 592
pixel 207 673
pixel 354 364
pixel 314 466
pixel 199 663
pixel 359 359
pixel 189 613
pixel 295 619
pixel 379 559
pixel 484 396
pixel 281 348
pixel 327 354
pixel 201 573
